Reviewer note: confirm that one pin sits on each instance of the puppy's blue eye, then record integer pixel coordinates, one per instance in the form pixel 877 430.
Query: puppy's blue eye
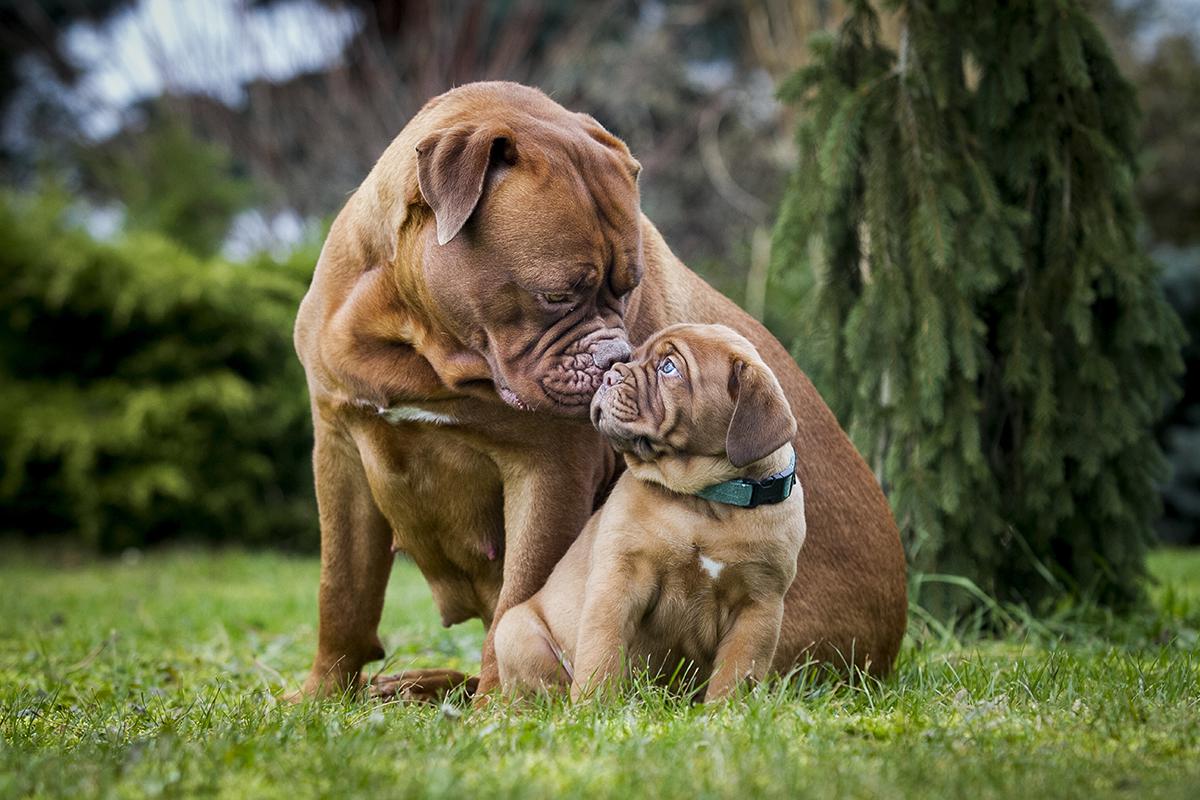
pixel 667 367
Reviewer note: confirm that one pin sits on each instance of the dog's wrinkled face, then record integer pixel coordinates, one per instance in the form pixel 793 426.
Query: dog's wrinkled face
pixel 694 390
pixel 536 248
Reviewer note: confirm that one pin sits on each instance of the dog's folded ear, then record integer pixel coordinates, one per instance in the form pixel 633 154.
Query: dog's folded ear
pixel 452 167
pixel 762 419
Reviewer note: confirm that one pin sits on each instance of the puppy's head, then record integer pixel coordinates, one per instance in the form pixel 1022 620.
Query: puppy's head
pixel 695 405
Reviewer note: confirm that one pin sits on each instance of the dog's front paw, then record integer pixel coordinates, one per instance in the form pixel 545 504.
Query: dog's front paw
pixel 422 685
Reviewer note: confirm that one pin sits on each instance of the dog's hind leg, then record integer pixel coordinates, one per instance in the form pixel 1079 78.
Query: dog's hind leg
pixel 530 660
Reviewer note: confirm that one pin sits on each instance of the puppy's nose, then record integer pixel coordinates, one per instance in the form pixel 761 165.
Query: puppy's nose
pixel 610 351
pixel 611 378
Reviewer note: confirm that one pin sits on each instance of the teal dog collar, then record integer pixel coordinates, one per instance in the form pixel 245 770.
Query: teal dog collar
pixel 747 493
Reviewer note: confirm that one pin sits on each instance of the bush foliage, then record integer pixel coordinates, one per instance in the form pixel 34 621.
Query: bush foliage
pixel 145 393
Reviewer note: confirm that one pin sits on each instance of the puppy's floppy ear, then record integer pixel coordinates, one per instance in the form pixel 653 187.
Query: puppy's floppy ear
pixel 452 166
pixel 762 419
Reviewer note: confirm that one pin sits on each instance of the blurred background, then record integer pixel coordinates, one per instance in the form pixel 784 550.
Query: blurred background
pixel 170 168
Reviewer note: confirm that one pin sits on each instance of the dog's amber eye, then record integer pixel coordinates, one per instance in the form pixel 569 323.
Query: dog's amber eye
pixel 667 367
pixel 556 298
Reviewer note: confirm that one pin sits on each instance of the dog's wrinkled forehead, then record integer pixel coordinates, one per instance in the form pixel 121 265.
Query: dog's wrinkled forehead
pixel 702 357
pixel 565 216
pixel 574 192
pixel 705 348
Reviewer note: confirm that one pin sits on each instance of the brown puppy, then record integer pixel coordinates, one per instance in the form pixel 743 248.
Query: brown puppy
pixel 467 301
pixel 660 574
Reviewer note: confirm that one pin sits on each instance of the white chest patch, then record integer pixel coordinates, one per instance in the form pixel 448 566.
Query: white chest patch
pixel 711 566
pixel 397 414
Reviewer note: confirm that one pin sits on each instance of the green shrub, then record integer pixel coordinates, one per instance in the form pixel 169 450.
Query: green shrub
pixel 146 394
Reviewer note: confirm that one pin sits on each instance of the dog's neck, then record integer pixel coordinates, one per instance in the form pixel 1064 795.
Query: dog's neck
pixel 688 474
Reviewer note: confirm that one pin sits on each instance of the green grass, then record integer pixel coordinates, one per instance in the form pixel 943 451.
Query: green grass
pixel 158 677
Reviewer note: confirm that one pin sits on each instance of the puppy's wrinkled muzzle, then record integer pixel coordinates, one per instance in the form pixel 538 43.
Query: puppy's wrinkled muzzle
pixel 607 382
pixel 615 413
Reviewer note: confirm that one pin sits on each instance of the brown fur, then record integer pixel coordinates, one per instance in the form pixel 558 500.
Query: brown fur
pixel 661 578
pixel 545 270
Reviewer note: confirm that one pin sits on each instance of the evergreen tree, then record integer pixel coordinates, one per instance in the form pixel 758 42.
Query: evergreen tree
pixel 960 236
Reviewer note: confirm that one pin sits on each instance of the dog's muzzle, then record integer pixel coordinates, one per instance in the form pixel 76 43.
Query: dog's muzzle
pixel 579 373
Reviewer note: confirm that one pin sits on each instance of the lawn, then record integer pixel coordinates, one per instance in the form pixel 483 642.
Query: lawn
pixel 157 676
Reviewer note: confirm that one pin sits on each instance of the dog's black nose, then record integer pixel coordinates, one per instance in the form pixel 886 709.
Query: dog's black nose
pixel 610 351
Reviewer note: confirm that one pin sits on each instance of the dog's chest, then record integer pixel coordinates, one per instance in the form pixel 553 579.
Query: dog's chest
pixel 444 503
pixel 696 599
pixel 712 567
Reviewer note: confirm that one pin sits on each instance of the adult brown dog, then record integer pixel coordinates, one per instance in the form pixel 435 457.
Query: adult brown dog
pixel 663 576
pixel 466 303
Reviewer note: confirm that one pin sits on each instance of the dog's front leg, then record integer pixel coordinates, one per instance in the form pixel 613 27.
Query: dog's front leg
pixel 620 589
pixel 746 651
pixel 356 560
